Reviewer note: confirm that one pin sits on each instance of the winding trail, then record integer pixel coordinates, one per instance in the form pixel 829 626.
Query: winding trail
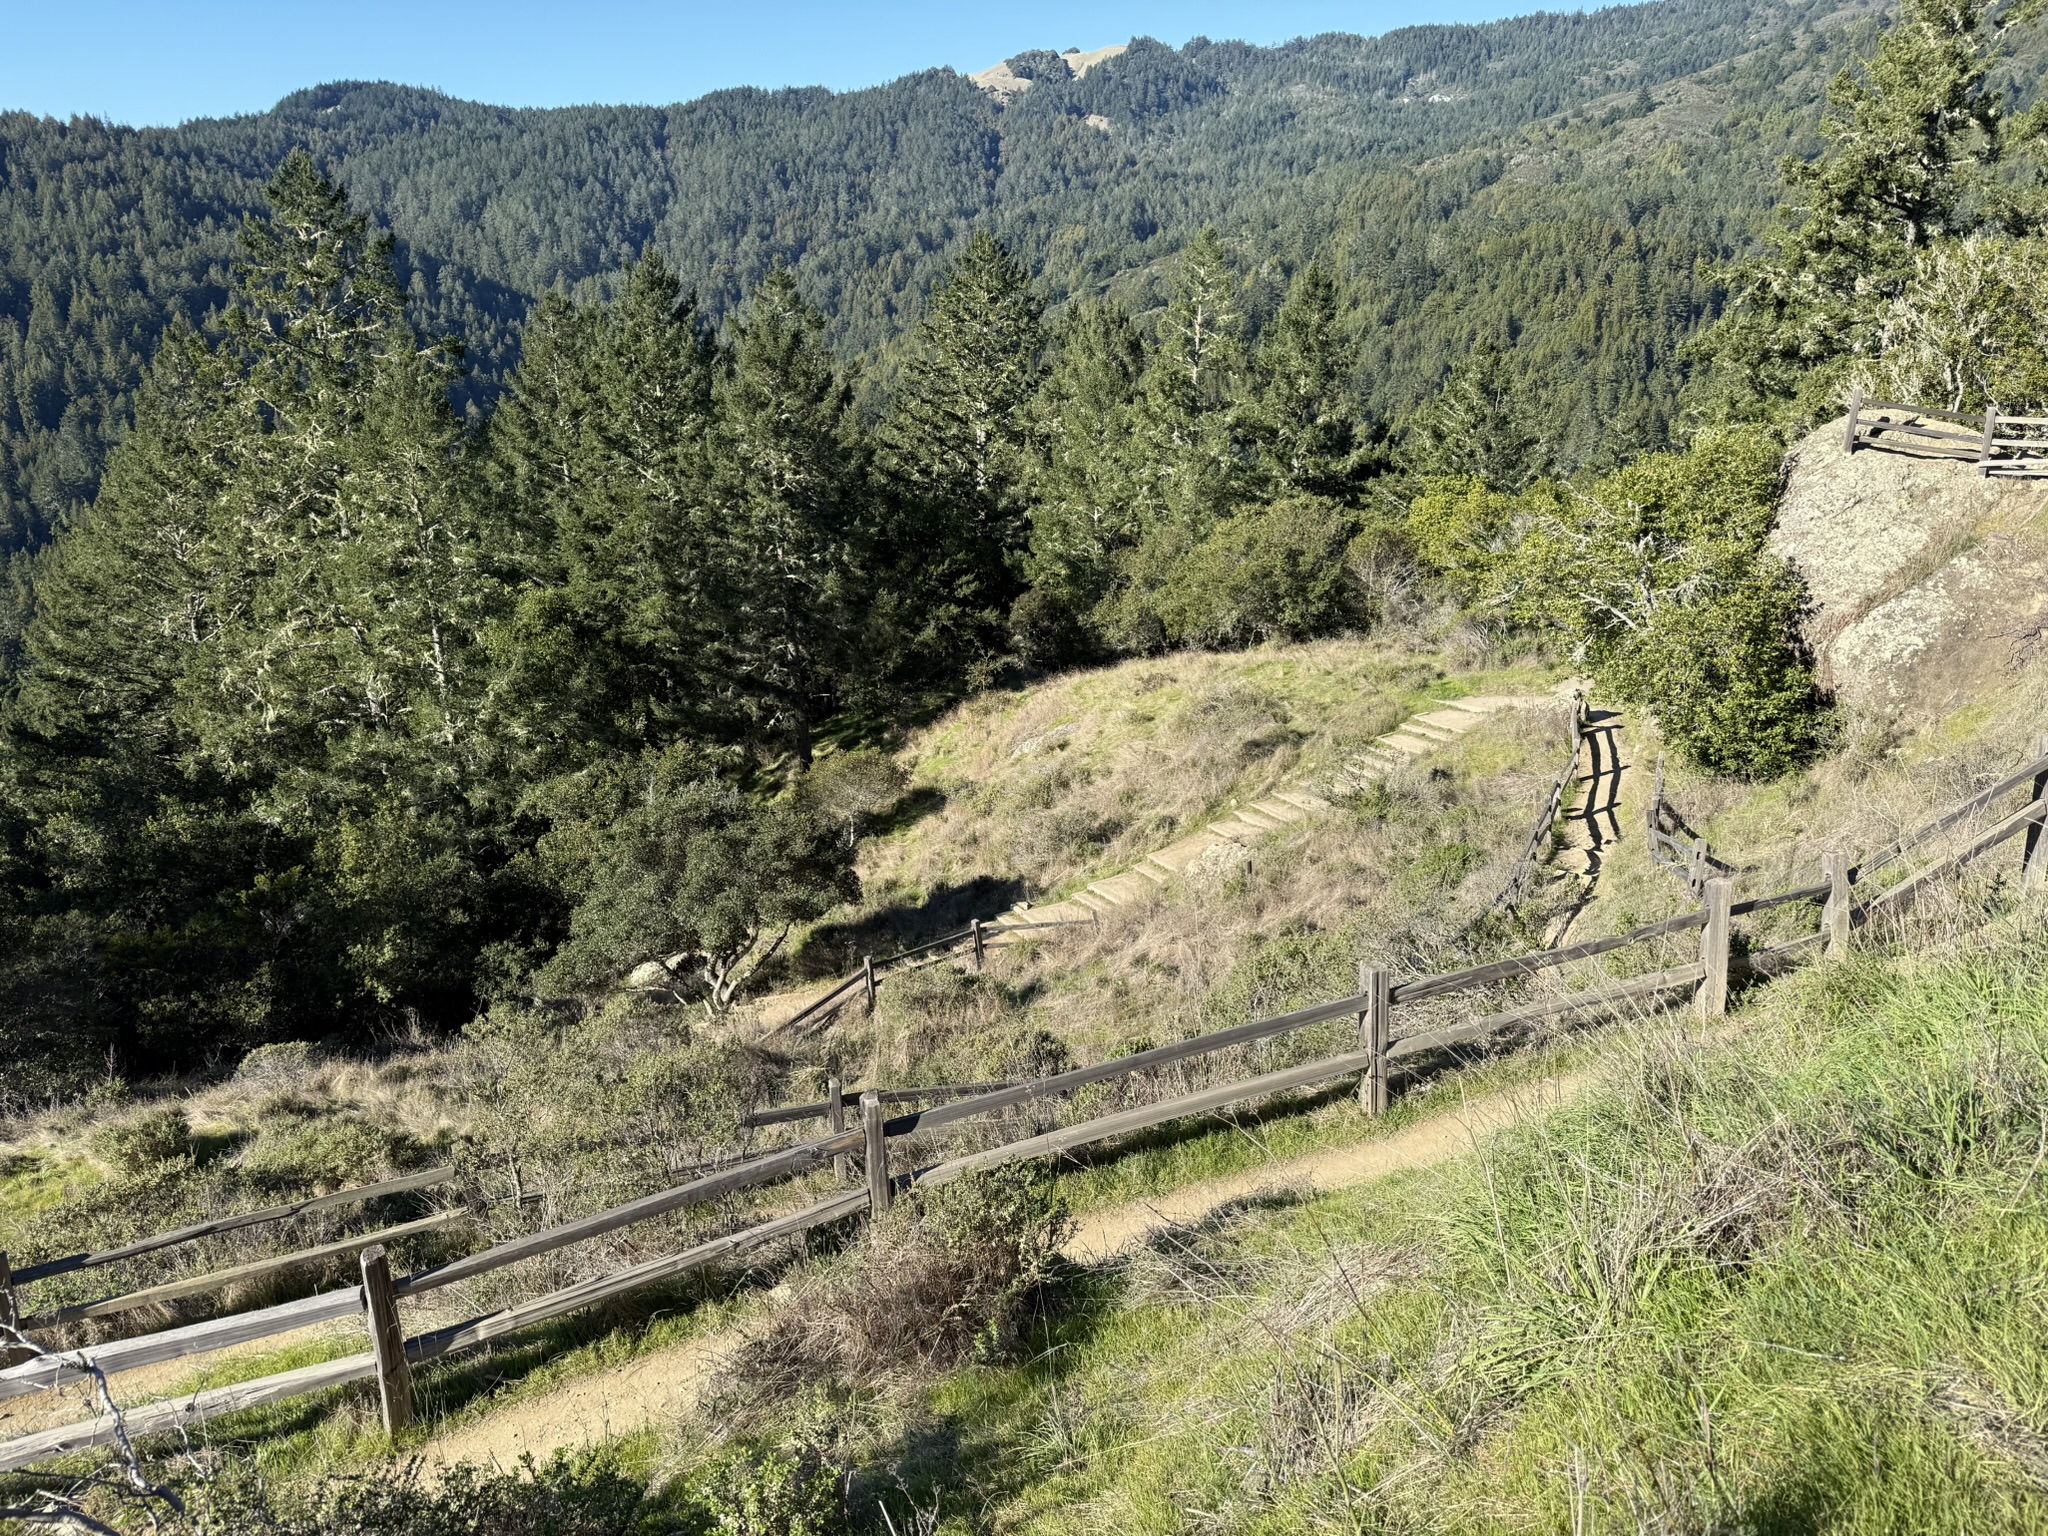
pixel 666 1386
pixel 1221 843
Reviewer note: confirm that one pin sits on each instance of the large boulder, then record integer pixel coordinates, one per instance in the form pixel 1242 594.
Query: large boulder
pixel 1929 580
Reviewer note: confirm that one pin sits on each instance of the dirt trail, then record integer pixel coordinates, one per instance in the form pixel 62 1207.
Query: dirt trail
pixel 666 1385
pixel 657 1388
pixel 1102 1235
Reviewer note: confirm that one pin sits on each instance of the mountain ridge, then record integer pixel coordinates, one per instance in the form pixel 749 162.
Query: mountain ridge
pixel 1096 180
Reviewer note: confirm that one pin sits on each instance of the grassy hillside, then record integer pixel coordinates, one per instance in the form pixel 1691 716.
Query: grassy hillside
pixel 1785 1278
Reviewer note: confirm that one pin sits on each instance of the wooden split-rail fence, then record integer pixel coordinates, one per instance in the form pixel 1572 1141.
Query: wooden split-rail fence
pixel 2014 447
pixel 864 982
pixel 1671 847
pixel 1546 820
pixel 1376 1008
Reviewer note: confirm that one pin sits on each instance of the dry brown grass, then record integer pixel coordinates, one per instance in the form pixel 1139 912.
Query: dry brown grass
pixel 1027 794
pixel 1401 874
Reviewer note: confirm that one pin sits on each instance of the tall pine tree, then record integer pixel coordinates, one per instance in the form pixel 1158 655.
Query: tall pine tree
pixel 1305 421
pixel 1084 484
pixel 601 456
pixel 1193 387
pixel 788 497
pixel 954 451
pixel 1911 140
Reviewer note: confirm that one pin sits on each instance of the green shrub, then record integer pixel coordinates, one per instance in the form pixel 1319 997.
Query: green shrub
pixel 851 789
pixel 570 1495
pixel 950 1275
pixel 1728 678
pixel 1660 578
pixel 1275 572
pixel 774 1493
pixel 144 1140
pixel 284 1062
pixel 330 1152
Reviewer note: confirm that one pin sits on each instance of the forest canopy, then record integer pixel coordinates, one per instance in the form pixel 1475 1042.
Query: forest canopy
pixel 354 695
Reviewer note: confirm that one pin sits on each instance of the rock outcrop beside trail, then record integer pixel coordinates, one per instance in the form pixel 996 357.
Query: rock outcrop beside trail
pixel 1929 581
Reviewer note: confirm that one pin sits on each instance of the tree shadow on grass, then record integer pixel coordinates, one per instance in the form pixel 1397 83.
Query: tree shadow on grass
pixel 833 949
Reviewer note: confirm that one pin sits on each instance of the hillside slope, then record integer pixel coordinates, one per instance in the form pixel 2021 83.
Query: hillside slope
pixel 1402 156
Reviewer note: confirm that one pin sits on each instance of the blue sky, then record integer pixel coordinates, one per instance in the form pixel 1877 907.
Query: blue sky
pixel 157 63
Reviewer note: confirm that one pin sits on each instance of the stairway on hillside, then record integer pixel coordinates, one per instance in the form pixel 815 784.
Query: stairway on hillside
pixel 1218 843
pixel 1226 843
pixel 1592 824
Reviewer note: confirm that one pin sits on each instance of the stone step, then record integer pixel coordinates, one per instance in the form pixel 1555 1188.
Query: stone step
pixel 1413 746
pixel 1094 901
pixel 1456 721
pixel 1068 911
pixel 1492 703
pixel 1277 807
pixel 1127 889
pixel 1179 857
pixel 1260 820
pixel 1233 831
pixel 1416 726
pixel 1301 799
pixel 1150 871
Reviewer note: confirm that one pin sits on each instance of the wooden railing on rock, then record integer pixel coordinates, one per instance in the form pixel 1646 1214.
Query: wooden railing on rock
pixel 1382 1040
pixel 2000 445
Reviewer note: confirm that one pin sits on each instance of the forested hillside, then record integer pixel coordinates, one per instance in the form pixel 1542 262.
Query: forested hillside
pixel 1553 180
pixel 365 692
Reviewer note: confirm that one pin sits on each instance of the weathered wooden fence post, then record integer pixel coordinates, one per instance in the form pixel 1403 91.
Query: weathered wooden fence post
pixel 1373 1026
pixel 835 1117
pixel 1990 433
pixel 2034 864
pixel 867 976
pixel 387 1340
pixel 1719 896
pixel 980 950
pixel 1855 411
pixel 879 1187
pixel 10 1314
pixel 1834 917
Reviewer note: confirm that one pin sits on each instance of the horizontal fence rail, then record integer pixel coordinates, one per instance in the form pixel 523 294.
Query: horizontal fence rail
pixel 220 1279
pixel 1976 437
pixel 1381 1041
pixel 426 1178
pixel 786 1113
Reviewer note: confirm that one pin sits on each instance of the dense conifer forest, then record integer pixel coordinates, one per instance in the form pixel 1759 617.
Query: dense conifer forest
pixel 463 556
pixel 1553 180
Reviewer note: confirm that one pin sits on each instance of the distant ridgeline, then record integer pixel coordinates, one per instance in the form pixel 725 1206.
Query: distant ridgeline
pixel 1552 182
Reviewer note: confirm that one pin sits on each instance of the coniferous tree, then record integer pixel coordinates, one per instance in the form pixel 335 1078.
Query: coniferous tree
pixel 1911 137
pixel 1192 387
pixel 1084 482
pixel 140 880
pixel 601 454
pixel 1304 421
pixel 787 493
pixel 1476 428
pixel 954 451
